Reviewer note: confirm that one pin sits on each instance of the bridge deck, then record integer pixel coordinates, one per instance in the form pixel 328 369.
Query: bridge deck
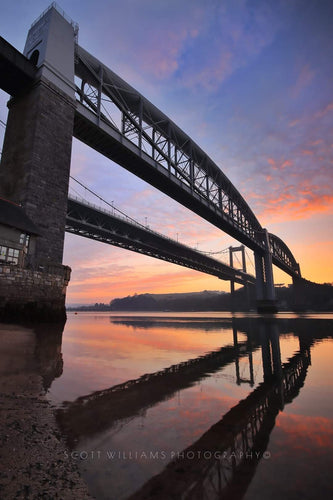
pixel 16 71
pixel 85 220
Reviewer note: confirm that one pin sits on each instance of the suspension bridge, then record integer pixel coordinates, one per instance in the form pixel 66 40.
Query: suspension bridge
pixel 114 227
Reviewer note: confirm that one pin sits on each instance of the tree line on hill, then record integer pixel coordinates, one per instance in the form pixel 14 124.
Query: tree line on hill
pixel 301 296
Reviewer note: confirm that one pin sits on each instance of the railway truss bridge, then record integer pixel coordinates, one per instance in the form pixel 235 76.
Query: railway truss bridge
pixel 60 91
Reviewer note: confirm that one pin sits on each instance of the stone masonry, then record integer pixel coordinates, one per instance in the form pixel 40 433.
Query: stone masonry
pixel 36 163
pixel 26 294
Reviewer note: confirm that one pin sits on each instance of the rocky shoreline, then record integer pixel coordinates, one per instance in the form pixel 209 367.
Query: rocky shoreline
pixel 34 460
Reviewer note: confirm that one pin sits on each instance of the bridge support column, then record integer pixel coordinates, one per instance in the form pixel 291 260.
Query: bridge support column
pixel 233 250
pixel 232 283
pixel 35 164
pixel 266 301
pixel 235 337
pixel 266 352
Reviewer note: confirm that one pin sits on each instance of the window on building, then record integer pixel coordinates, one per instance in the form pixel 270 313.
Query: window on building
pixel 10 255
pixel 3 253
pixel 24 240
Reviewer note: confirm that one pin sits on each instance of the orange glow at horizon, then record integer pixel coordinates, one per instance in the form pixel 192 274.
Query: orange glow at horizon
pixel 162 277
pixel 157 279
pixel 147 275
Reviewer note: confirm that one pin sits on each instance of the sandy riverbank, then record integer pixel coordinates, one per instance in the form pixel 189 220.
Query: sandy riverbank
pixel 33 458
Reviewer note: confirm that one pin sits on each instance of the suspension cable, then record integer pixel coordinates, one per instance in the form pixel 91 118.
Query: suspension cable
pixel 224 251
pixel 250 259
pixel 114 208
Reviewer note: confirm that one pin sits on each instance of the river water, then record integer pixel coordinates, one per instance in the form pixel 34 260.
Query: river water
pixel 195 405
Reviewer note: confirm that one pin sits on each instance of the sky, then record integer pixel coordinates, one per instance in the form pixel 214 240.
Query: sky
pixel 251 83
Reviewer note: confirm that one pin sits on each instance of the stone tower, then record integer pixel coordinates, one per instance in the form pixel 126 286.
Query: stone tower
pixel 36 155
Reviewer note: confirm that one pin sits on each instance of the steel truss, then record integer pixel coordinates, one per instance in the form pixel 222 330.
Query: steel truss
pixel 282 256
pixel 162 154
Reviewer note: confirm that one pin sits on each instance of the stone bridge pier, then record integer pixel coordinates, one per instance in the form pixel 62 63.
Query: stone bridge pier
pixel 35 166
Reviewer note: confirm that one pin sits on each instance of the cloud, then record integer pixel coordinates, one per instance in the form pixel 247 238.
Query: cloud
pixel 150 37
pixel 240 33
pixel 305 433
pixel 324 111
pixel 157 277
pixel 288 172
pixel 304 79
pixel 286 208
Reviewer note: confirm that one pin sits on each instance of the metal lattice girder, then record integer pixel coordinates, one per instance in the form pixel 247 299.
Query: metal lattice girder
pixel 282 256
pixel 162 140
pixel 116 120
pixel 87 221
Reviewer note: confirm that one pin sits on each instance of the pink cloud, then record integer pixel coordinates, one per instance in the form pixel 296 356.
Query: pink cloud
pixel 289 207
pixel 295 122
pixel 287 163
pixel 215 70
pixel 279 164
pixel 323 112
pixel 162 59
pixel 304 79
pixel 307 152
pixel 317 142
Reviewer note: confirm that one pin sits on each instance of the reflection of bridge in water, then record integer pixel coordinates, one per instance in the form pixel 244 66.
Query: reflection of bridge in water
pixel 91 414
pixel 223 461
pixel 95 413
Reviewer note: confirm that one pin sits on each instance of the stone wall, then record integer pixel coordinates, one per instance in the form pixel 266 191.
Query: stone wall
pixel 27 294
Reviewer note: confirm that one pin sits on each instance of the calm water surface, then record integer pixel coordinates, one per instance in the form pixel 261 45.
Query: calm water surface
pixel 197 405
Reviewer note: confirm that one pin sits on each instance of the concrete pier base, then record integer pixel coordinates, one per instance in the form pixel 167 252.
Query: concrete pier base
pixel 267 306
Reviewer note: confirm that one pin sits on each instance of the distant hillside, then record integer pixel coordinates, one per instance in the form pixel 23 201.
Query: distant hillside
pixel 196 301
pixel 302 296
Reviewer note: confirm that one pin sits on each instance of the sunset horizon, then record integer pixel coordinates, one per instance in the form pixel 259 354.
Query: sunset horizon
pixel 252 87
pixel 166 240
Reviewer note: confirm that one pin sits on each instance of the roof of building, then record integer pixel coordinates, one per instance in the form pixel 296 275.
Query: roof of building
pixel 13 215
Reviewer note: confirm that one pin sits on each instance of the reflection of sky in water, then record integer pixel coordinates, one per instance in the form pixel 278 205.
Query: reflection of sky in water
pixel 99 354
